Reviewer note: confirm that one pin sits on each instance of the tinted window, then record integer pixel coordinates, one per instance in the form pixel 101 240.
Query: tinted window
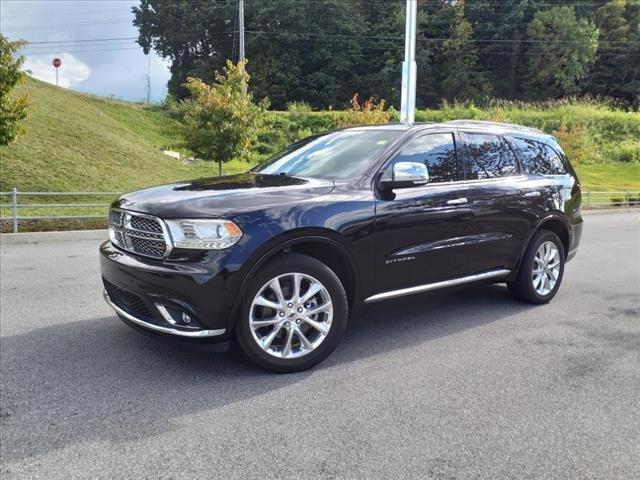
pixel 437 151
pixel 489 157
pixel 539 158
pixel 332 156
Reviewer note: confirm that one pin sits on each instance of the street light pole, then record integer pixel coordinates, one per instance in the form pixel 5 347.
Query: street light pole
pixel 241 35
pixel 241 26
pixel 409 67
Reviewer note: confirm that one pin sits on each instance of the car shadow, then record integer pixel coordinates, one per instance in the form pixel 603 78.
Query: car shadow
pixel 90 380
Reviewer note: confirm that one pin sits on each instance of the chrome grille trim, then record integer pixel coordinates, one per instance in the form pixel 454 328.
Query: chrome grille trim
pixel 139 233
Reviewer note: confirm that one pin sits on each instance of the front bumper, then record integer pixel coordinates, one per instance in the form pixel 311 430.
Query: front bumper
pixel 159 328
pixel 191 299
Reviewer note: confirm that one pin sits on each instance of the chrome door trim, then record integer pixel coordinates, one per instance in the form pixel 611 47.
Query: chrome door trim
pixel 502 273
pixel 157 328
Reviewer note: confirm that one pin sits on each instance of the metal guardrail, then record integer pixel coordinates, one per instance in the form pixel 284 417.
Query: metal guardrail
pixel 590 199
pixel 610 199
pixel 15 205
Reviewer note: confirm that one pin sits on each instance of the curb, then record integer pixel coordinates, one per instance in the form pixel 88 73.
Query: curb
pixel 610 211
pixel 52 237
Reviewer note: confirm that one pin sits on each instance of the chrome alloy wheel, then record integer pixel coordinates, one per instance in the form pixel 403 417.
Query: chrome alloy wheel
pixel 291 315
pixel 546 268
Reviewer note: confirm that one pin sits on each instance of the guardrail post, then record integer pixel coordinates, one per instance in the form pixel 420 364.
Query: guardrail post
pixel 627 198
pixel 14 208
pixel 588 198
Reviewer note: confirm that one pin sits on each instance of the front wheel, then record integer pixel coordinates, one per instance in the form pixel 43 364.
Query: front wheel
pixel 294 314
pixel 541 270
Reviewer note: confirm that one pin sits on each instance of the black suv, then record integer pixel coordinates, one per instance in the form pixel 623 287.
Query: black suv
pixel 277 258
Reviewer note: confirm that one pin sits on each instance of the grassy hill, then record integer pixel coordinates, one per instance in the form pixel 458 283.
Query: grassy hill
pixel 79 142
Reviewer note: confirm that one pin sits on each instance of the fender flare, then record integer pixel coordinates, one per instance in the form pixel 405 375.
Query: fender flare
pixel 553 216
pixel 278 244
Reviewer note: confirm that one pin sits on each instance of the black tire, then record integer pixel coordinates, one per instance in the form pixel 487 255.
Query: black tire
pixel 281 265
pixel 522 287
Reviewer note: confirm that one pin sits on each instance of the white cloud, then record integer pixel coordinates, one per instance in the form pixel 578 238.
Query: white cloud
pixel 71 72
pixel 61 28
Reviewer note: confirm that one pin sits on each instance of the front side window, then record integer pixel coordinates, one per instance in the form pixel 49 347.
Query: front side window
pixel 333 156
pixel 540 159
pixel 437 151
pixel 489 156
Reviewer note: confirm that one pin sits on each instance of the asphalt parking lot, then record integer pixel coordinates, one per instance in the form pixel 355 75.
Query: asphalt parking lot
pixel 455 385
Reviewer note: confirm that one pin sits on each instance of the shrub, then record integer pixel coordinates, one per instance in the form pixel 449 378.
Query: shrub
pixel 221 120
pixel 626 151
pixel 576 144
pixel 13 109
pixel 298 107
pixel 363 113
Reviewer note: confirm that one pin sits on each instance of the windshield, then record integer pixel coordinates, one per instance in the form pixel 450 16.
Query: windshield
pixel 334 156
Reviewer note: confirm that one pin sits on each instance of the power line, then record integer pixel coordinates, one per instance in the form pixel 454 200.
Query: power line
pixel 55 52
pixel 49 27
pixel 84 40
pixel 58 14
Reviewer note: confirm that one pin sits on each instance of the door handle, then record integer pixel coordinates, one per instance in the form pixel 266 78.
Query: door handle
pixel 457 201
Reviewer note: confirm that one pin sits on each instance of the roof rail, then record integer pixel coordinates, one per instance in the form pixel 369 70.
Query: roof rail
pixel 486 123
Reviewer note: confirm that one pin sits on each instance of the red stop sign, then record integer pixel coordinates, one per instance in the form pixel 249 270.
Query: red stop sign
pixel 57 62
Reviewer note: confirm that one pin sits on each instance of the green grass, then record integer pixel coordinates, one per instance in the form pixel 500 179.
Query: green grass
pixel 79 142
pixel 610 176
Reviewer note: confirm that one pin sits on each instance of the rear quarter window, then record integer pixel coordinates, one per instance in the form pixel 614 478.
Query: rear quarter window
pixel 539 158
pixel 489 156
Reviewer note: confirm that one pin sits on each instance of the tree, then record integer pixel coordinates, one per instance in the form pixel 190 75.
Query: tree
pixel 462 78
pixel 499 29
pixel 608 74
pixel 299 51
pixel 631 78
pixel 222 122
pixel 561 50
pixel 197 37
pixel 13 109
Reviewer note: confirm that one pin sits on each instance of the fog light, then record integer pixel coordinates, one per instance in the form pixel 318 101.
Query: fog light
pixel 178 318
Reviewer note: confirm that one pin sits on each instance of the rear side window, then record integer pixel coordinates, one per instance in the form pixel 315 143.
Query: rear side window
pixel 540 159
pixel 437 151
pixel 489 156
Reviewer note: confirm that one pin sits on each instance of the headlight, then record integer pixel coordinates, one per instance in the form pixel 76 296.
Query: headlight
pixel 204 234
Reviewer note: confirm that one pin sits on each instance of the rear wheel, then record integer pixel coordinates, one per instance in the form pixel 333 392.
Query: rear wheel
pixel 541 270
pixel 294 314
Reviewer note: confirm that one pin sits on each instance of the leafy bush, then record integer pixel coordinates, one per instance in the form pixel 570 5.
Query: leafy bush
pixel 363 113
pixel 298 107
pixel 221 121
pixel 576 144
pixel 13 109
pixel 626 151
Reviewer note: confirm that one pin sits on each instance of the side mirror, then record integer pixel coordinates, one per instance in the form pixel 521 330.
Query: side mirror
pixel 405 175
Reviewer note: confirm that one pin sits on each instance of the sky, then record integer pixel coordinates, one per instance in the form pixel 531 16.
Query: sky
pixel 115 68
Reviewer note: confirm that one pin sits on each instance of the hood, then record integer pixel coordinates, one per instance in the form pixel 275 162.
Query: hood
pixel 222 196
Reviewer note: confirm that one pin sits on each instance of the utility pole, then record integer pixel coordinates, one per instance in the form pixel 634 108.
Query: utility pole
pixel 241 34
pixel 241 26
pixel 409 67
pixel 148 78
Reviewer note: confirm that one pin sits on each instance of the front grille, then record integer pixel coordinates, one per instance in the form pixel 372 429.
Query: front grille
pixel 141 234
pixel 129 302
pixel 146 224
